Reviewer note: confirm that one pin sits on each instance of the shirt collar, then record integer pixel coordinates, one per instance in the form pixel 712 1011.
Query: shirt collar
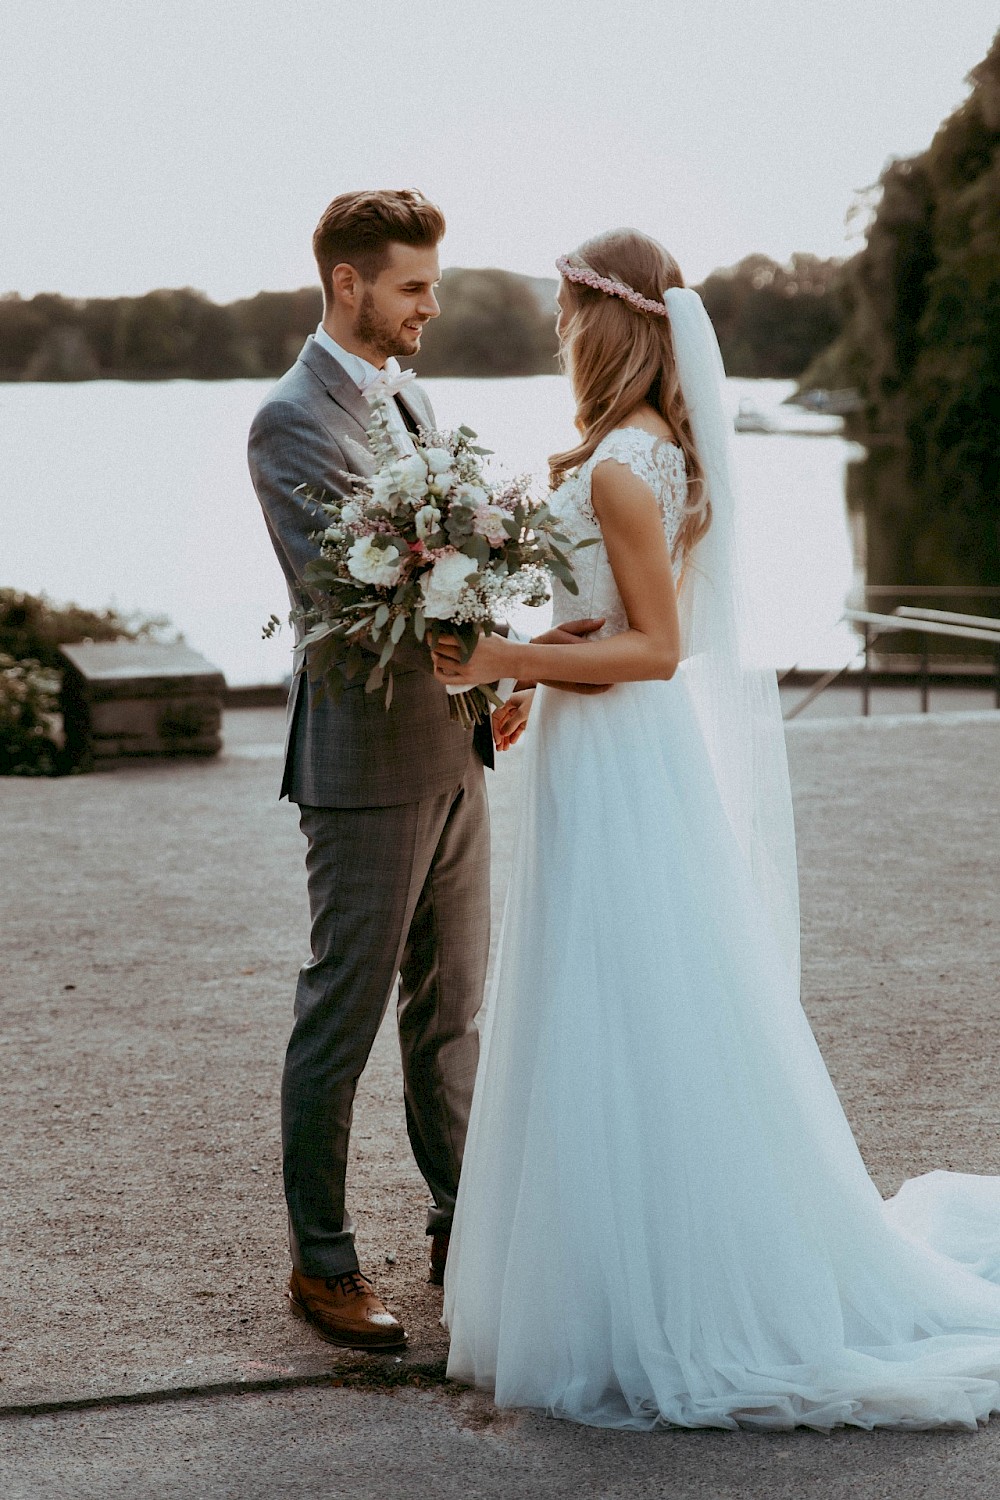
pixel 360 371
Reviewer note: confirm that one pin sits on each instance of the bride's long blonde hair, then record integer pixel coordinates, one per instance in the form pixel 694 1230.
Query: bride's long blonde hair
pixel 618 356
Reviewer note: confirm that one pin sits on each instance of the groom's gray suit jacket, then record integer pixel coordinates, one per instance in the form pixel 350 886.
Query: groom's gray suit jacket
pixel 310 428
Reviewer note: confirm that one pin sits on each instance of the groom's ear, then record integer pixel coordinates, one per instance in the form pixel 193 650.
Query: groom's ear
pixel 346 282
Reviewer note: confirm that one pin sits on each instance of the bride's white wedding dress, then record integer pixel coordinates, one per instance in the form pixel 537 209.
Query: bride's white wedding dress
pixel 663 1215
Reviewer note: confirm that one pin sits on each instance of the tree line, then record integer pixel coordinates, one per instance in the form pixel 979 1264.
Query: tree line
pixel 921 344
pixel 772 320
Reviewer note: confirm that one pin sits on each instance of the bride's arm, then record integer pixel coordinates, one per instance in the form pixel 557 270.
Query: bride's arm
pixel 637 550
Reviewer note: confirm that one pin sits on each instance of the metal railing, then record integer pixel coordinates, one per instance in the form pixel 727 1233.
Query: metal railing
pixel 927 622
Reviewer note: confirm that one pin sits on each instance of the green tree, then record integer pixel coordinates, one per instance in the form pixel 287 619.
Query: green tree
pixel 924 345
pixel 272 327
pixel 772 320
pixel 492 323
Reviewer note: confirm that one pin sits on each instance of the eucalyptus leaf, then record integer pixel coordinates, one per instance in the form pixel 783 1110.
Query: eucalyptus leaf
pixel 476 547
pixel 321 661
pixel 398 626
pixel 321 570
pixel 316 634
pixel 468 638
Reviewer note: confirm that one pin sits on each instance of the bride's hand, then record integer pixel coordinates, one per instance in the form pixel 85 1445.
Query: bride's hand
pixel 488 663
pixel 509 721
pixel 570 633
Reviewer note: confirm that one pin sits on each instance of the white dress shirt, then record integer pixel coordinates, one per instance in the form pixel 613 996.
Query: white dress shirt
pixel 363 373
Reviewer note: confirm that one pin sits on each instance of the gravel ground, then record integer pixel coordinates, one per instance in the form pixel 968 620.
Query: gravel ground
pixel 152 922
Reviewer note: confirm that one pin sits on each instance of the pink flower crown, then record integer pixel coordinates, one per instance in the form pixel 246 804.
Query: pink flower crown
pixel 587 277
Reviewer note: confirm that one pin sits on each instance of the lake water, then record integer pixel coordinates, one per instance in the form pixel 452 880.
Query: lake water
pixel 137 496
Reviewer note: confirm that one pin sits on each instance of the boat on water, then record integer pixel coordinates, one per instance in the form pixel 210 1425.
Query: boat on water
pixel 750 418
pixel 790 420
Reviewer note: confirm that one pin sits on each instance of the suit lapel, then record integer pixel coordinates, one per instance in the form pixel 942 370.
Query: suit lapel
pixel 335 379
pixel 341 388
pixel 417 417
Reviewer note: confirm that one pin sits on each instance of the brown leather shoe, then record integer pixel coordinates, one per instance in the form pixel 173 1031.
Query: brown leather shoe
pixel 439 1257
pixel 345 1310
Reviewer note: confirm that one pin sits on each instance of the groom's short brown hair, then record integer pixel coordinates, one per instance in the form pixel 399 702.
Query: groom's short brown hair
pixel 358 228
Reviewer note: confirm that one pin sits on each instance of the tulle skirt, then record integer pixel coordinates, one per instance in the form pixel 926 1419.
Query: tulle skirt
pixel 663 1216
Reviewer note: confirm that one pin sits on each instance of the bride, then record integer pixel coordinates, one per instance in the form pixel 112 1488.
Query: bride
pixel 663 1216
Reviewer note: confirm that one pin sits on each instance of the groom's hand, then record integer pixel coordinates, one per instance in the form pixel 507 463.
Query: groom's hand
pixel 570 633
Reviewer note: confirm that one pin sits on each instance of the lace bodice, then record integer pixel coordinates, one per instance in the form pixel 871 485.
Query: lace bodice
pixel 661 465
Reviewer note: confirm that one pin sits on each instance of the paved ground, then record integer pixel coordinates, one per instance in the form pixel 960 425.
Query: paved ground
pixel 152 921
pixel 844 699
pixel 420 1445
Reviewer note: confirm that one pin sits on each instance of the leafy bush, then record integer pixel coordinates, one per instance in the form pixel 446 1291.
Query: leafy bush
pixel 32 629
pixel 29 704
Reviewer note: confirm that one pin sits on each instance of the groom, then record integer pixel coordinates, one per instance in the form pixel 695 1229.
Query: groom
pixel 392 802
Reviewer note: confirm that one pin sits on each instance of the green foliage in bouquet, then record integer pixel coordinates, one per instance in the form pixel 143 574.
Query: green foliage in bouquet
pixel 422 548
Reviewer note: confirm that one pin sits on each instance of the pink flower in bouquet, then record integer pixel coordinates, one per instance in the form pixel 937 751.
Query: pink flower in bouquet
pixel 488 521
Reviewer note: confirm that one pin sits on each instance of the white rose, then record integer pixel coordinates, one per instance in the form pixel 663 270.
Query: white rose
pixel 370 564
pixel 405 476
pixel 350 514
pixel 410 473
pixel 488 522
pixel 442 585
pixel 383 487
pixel 437 459
pixel 427 520
pixel 442 483
pixel 472 494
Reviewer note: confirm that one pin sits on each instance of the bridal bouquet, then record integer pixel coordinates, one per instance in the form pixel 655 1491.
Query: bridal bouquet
pixel 424 545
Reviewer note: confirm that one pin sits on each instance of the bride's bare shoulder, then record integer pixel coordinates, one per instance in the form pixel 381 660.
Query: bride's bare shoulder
pixel 647 419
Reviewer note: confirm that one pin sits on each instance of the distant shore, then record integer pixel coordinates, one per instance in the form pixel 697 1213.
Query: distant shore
pixel 772 322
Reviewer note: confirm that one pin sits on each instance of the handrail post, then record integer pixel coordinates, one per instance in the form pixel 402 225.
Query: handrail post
pixel 924 682
pixel 996 684
pixel 866 675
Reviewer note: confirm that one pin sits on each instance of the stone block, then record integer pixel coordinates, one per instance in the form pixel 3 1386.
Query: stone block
pixel 123 699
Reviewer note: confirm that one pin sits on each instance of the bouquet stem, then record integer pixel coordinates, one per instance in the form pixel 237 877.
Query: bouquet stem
pixel 473 706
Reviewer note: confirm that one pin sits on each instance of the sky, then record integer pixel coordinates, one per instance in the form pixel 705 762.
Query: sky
pixel 151 143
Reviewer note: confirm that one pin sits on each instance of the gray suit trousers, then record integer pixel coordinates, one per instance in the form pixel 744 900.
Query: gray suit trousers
pixel 392 890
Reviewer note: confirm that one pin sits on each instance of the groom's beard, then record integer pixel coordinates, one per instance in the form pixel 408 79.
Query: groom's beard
pixel 379 334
